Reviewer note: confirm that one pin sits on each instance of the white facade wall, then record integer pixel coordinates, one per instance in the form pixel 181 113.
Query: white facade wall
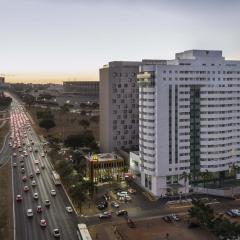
pixel 218 81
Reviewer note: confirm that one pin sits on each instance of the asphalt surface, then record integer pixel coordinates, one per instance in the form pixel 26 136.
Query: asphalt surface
pixel 56 215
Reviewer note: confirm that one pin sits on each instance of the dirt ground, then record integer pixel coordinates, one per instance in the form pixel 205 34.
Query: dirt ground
pixel 5 203
pixel 155 229
pixel 3 131
pixel 69 120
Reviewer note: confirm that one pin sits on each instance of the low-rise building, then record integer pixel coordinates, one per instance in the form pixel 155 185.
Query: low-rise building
pixel 105 167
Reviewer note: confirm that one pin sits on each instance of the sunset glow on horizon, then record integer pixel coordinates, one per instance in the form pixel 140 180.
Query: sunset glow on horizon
pixel 72 39
pixel 49 78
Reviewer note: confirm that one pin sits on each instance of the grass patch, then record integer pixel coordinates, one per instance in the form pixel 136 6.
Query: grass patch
pixel 5 202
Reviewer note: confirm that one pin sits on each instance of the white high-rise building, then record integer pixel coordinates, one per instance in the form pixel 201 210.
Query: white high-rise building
pixel 189 119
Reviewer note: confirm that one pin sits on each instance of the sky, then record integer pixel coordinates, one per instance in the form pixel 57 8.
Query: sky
pixel 59 40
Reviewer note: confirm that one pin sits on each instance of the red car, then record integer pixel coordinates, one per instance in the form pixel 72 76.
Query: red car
pixel 43 223
pixel 26 188
pixel 24 178
pixel 39 209
pixel 19 198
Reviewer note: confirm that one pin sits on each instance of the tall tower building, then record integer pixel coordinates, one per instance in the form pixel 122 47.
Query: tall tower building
pixel 189 119
pixel 119 106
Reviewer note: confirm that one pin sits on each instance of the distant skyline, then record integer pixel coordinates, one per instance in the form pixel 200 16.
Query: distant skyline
pixel 47 40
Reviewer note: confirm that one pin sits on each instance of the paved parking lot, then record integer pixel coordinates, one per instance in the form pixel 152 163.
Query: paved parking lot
pixel 151 229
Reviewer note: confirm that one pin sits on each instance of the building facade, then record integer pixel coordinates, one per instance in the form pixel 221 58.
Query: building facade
pixel 85 91
pixel 105 167
pixel 119 106
pixel 189 119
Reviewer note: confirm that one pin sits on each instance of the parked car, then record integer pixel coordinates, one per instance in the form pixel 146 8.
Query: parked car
pixel 167 219
pixel 121 212
pixel 105 215
pixel 130 223
pixel 115 204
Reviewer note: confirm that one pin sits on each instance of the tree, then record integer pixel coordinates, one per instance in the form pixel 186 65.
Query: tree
pixel 186 177
pixel 83 113
pixel 84 123
pixel 47 124
pixel 78 195
pixel 206 176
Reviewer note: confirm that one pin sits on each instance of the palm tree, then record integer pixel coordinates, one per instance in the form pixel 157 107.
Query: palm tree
pixel 186 177
pixel 78 195
pixel 235 169
pixel 206 176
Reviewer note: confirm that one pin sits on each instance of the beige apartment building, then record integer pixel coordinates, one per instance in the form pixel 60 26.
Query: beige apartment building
pixel 119 106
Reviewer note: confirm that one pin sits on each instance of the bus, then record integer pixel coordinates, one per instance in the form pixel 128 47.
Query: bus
pixel 82 232
pixel 56 178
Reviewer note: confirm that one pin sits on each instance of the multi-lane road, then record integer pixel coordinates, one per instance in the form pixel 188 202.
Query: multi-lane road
pixel 28 228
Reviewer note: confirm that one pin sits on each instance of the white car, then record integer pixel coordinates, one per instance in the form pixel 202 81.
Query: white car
pixel 35 196
pixel 47 203
pixel 42 155
pixel 29 212
pixel 69 209
pixel 36 161
pixel 14 154
pixel 53 192
pixel 56 232
pixel 14 164
pixel 33 183
pixel 37 171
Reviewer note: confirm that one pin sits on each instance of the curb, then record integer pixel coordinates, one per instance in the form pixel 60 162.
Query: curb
pixel 14 218
pixel 4 143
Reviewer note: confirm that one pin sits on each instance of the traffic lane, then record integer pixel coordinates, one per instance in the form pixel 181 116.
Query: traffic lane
pixel 63 220
pixel 35 222
pixel 31 232
pixel 20 228
pixel 56 211
pixel 43 188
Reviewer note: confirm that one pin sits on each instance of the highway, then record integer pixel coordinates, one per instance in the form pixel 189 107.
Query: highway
pixel 28 228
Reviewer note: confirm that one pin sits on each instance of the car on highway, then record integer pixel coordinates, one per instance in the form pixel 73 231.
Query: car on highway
pixel 37 171
pixel 36 161
pixel 47 203
pixel 19 198
pixel 26 188
pixel 31 176
pixel 35 196
pixel 43 223
pixel 53 192
pixel 69 209
pixel 29 212
pixel 42 166
pixel 104 215
pixel 56 233
pixel 14 154
pixel 122 212
pixel 24 178
pixel 33 183
pixel 22 170
pixel 14 164
pixel 35 150
pixel 39 209
pixel 42 155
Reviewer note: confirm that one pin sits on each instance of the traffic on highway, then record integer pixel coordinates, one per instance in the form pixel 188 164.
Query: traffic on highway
pixel 41 206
